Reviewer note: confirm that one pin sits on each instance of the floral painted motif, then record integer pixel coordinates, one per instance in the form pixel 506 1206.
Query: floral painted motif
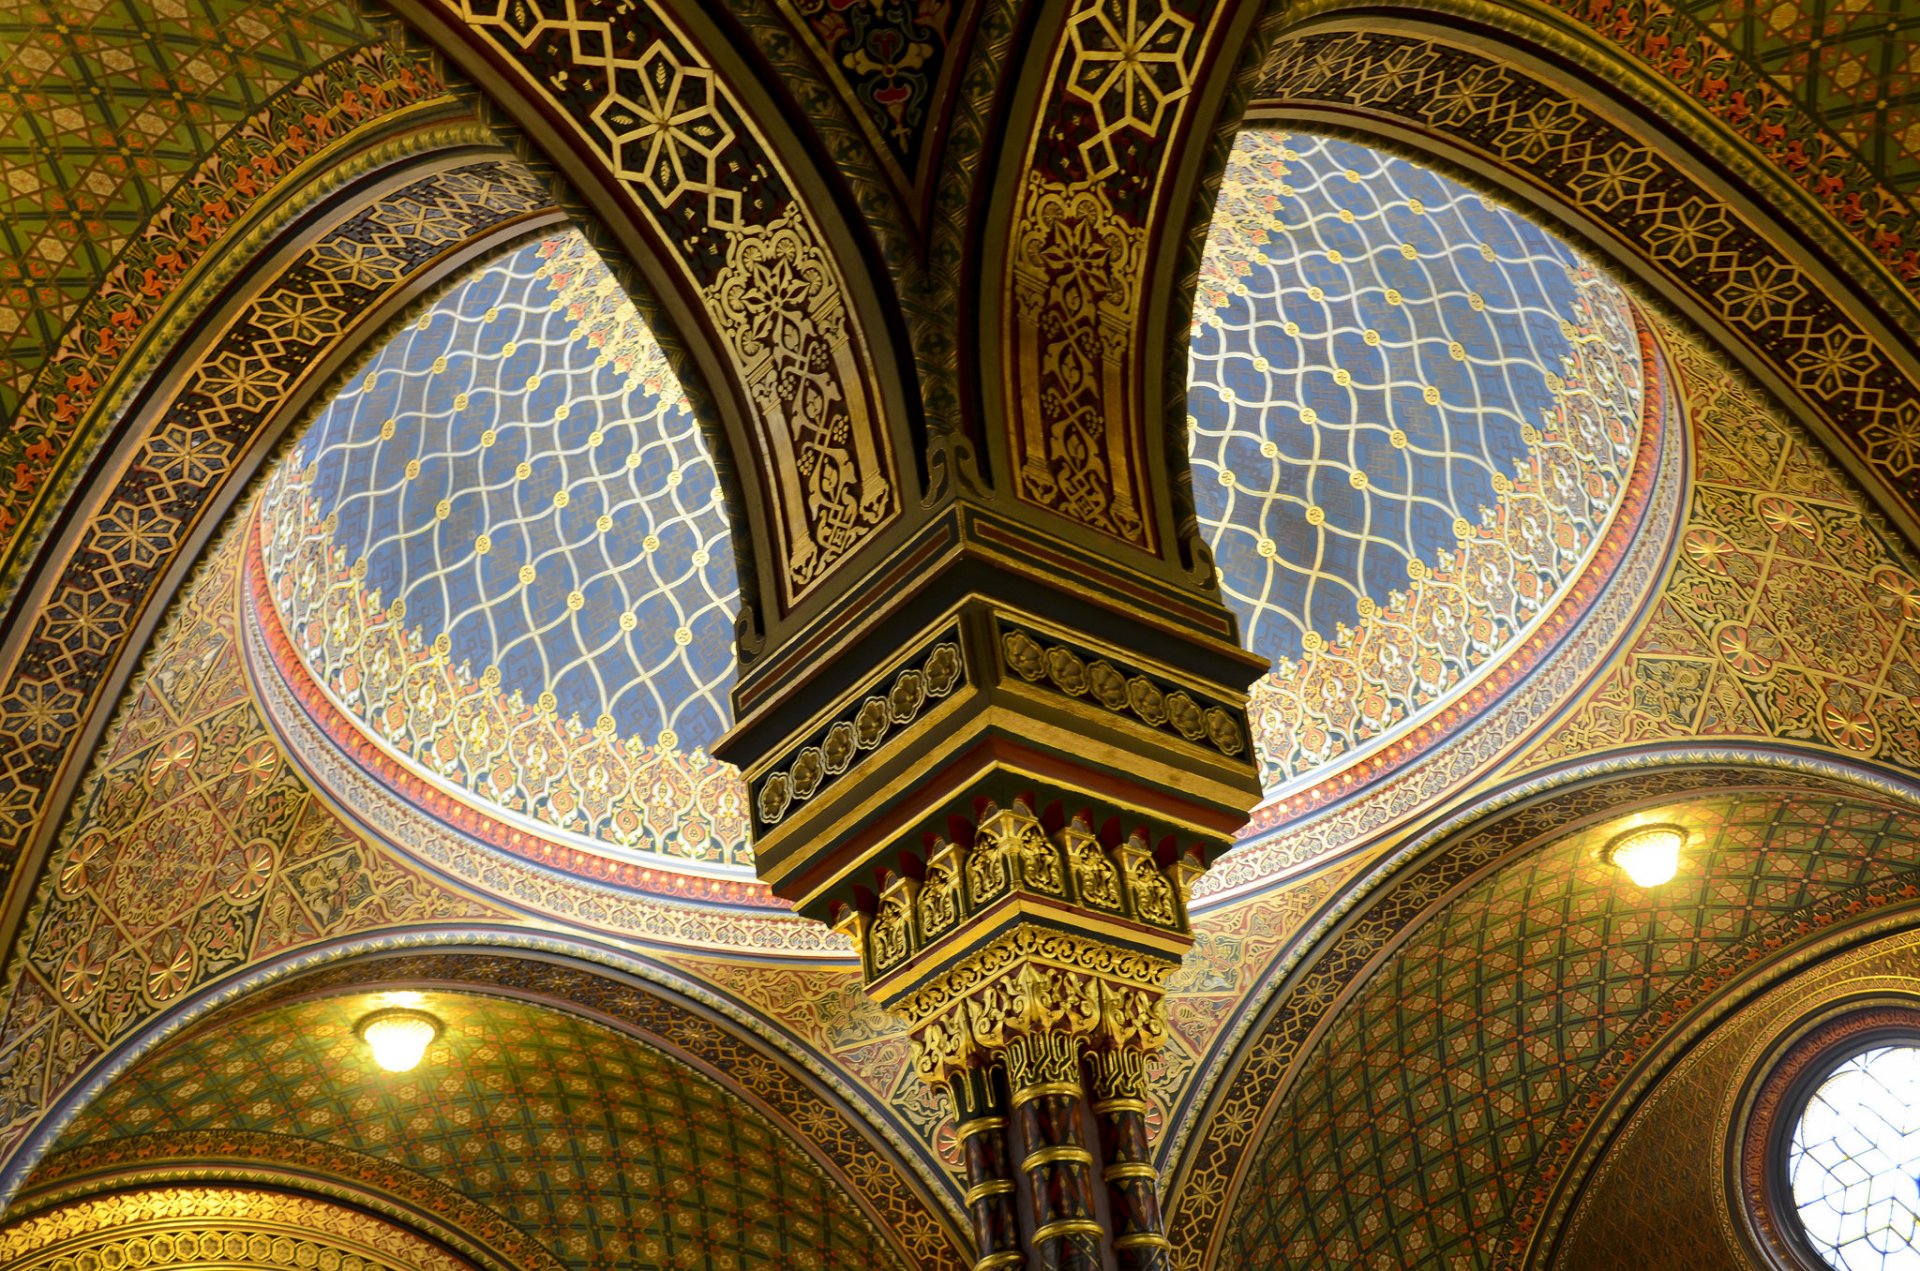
pixel 1792 614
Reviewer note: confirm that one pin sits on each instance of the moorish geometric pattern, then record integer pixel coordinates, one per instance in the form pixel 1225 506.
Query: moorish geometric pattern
pixel 502 551
pixel 1852 69
pixel 1823 90
pixel 1634 192
pixel 126 98
pixel 1424 1125
pixel 1114 112
pixel 116 330
pixel 1654 1187
pixel 670 134
pixel 466 1227
pixel 609 1152
pixel 1791 614
pixel 186 452
pixel 1412 415
pixel 195 849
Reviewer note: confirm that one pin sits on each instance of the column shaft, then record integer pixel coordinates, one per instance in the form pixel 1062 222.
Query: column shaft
pixel 1133 1198
pixel 981 1124
pixel 1043 1071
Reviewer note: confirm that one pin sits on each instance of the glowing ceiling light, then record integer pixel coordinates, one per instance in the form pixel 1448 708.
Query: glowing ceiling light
pixel 1650 855
pixel 399 1038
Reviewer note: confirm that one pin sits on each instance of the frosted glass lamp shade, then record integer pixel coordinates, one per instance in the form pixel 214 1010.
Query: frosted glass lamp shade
pixel 1649 855
pixel 399 1038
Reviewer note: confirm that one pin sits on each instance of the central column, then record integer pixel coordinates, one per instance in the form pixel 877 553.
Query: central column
pixel 1027 961
pixel 1006 818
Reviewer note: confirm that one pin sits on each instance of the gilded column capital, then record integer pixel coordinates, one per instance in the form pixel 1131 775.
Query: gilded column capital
pixel 1027 948
pixel 1034 982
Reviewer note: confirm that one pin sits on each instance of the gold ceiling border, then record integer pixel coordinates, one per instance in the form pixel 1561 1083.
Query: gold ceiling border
pixel 195 1226
pixel 322 1170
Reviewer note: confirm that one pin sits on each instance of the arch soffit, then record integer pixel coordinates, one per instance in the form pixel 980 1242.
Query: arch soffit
pixel 354 114
pixel 648 1004
pixel 740 236
pixel 321 1171
pixel 1705 1087
pixel 1384 905
pixel 270 346
pixel 1345 878
pixel 1075 301
pixel 201 1225
pixel 1620 159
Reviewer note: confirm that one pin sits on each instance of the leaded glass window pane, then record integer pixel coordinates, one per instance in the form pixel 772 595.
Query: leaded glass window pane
pixel 1855 1159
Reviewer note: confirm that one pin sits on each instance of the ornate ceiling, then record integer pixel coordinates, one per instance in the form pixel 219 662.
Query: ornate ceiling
pixel 433 440
pixel 1838 70
pixel 1787 616
pixel 500 552
pixel 539 1115
pixel 1413 416
pixel 1433 1113
pixel 1700 1096
pixel 128 103
pixel 150 139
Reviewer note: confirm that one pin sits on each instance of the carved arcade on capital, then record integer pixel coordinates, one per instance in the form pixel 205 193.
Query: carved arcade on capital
pixel 1028 959
pixel 1006 813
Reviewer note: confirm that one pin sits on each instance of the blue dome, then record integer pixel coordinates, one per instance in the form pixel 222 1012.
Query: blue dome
pixel 1412 415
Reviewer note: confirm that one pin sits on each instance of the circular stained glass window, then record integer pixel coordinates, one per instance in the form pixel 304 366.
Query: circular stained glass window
pixel 1853 1163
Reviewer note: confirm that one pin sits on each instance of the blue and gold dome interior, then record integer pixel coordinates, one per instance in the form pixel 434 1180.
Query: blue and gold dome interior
pixel 500 554
pixel 1262 774
pixel 501 569
pixel 1412 416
